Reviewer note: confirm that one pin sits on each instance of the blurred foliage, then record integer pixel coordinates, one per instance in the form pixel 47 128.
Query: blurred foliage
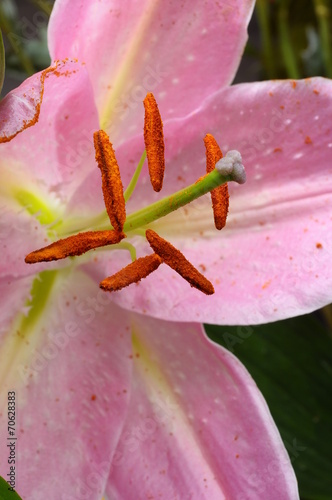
pixel 295 38
pixel 24 30
pixel 2 62
pixel 287 38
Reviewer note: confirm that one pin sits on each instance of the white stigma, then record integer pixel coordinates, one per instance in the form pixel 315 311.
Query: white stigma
pixel 231 165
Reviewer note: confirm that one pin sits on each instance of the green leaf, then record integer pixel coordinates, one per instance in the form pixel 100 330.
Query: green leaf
pixel 6 493
pixel 291 362
pixel 2 62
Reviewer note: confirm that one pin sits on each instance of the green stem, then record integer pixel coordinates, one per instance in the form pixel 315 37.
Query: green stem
pixel 171 203
pixel 323 16
pixel 102 219
pixel 286 45
pixel 132 184
pixel 154 211
pixel 126 246
pixel 262 10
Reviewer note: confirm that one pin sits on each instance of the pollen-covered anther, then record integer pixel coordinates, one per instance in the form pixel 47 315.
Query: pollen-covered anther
pixel 231 166
pixel 174 258
pixel 154 142
pixel 111 180
pixel 74 245
pixel 132 273
pixel 219 195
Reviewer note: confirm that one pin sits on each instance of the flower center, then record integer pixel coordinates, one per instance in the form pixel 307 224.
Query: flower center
pixel 219 171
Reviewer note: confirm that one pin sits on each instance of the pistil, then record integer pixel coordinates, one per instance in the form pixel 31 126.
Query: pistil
pixel 179 199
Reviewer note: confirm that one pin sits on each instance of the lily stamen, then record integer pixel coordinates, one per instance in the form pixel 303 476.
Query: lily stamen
pixel 177 261
pixel 111 180
pixel 133 273
pixel 219 195
pixel 74 245
pixel 154 142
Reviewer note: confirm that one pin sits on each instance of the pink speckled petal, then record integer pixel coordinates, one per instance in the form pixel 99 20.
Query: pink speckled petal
pixel 51 157
pixel 14 294
pixel 127 47
pixel 19 234
pixel 71 373
pixel 272 260
pixel 197 425
pixel 41 167
pixel 20 108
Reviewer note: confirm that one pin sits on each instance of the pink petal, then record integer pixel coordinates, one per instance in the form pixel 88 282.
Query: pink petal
pixel 273 258
pixel 57 152
pixel 20 234
pixel 197 425
pixel 14 294
pixel 131 48
pixel 21 107
pixel 71 374
pixel 47 162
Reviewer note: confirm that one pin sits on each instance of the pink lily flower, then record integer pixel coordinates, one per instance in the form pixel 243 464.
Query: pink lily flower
pixel 139 405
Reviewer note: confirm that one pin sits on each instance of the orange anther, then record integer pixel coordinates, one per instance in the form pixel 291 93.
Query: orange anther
pixel 174 258
pixel 219 195
pixel 74 245
pixel 154 142
pixel 111 180
pixel 132 273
